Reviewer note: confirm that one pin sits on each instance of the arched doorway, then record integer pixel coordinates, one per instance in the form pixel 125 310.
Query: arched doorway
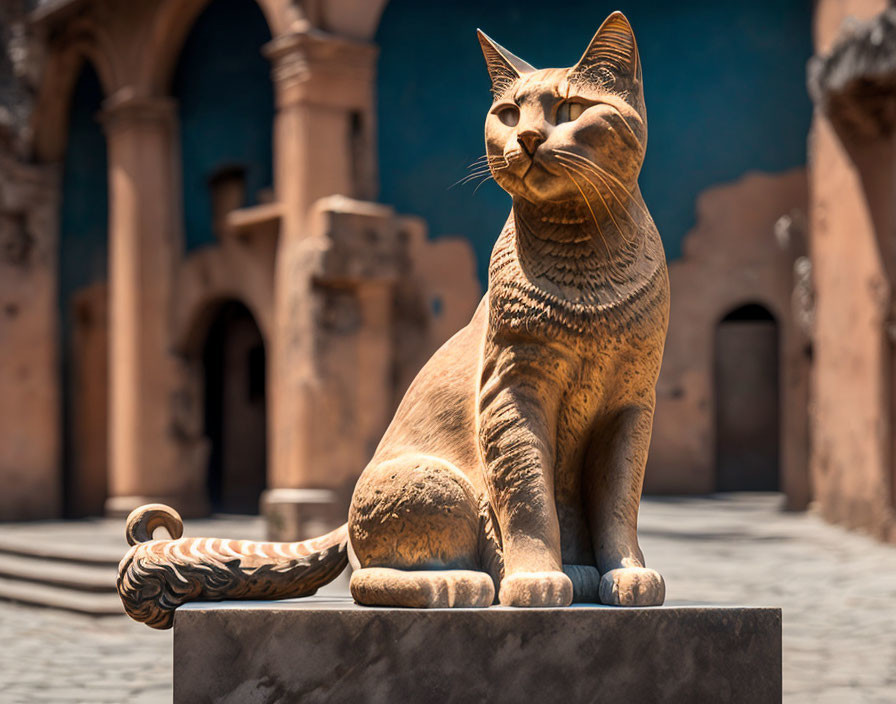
pixel 233 359
pixel 82 272
pixel 747 401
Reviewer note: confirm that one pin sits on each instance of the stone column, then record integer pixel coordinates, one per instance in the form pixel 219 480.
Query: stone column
pixel 143 250
pixel 323 145
pixel 852 186
pixel 324 126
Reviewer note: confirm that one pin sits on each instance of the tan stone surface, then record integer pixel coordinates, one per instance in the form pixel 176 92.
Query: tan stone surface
pixel 831 14
pixel 29 403
pixel 144 241
pixel 852 189
pixel 852 416
pixel 730 259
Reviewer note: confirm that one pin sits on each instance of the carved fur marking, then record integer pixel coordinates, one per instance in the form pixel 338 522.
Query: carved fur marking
pixel 157 576
pixel 513 467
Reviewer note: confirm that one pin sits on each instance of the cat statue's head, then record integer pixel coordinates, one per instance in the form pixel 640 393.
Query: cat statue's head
pixel 553 134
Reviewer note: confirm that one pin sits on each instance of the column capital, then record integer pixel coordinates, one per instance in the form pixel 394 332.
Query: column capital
pixel 126 108
pixel 324 69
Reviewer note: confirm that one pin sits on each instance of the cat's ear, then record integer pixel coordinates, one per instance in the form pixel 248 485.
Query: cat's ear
pixel 503 67
pixel 612 54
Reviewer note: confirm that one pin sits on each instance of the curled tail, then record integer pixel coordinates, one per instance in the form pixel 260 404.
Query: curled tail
pixel 157 576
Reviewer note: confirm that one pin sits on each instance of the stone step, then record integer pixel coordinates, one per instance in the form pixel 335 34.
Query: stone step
pixel 57 575
pixel 92 603
pixel 26 546
pixel 69 575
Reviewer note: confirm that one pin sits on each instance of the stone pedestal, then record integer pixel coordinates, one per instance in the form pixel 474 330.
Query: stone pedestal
pixel 299 514
pixel 331 650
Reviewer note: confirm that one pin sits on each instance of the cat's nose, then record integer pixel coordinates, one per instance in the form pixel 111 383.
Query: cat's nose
pixel 529 140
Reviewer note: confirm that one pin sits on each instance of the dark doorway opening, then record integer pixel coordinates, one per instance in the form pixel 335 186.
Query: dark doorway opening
pixel 235 410
pixel 82 300
pixel 747 401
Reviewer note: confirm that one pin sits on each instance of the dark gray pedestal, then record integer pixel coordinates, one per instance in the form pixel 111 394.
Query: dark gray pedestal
pixel 331 650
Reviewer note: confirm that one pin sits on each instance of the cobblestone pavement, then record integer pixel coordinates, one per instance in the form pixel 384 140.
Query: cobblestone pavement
pixel 837 591
pixel 54 656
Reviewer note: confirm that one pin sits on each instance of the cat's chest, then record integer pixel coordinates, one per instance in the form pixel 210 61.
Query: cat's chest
pixel 518 308
pixel 585 311
pixel 589 358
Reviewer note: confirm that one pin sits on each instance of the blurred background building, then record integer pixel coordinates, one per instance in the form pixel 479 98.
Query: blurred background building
pixel 211 296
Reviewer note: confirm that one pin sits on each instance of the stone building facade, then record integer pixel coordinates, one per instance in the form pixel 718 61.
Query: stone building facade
pixel 853 245
pixel 268 360
pixel 264 357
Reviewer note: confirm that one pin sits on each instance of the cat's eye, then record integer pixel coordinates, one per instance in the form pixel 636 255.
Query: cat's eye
pixel 567 112
pixel 509 115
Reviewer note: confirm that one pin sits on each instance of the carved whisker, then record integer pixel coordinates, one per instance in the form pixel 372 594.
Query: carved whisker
pixel 490 176
pixel 588 163
pixel 496 163
pixel 485 158
pixel 581 172
pixel 593 217
pixel 480 173
pixel 609 186
pixel 477 172
pixel 604 175
pixel 594 167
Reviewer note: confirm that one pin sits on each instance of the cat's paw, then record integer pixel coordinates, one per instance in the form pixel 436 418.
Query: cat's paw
pixel 632 586
pixel 536 589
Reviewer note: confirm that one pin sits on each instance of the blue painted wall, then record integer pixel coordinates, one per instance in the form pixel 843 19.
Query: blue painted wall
pixel 84 207
pixel 226 108
pixel 724 83
pixel 83 241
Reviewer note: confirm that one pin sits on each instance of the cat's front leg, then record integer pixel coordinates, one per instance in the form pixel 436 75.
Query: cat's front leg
pixel 516 432
pixel 614 474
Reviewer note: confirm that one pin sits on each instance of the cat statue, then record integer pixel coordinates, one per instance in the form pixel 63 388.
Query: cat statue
pixel 512 470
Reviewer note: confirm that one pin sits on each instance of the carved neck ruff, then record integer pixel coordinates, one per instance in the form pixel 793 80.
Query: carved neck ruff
pixel 566 251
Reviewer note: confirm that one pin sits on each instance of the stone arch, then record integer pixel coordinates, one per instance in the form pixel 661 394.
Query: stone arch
pixel 215 274
pixel 82 42
pixel 172 24
pixel 744 303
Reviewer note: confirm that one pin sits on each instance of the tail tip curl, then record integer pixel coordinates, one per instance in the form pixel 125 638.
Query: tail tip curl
pixel 144 520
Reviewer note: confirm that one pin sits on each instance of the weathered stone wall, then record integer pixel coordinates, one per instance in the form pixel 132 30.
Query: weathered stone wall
pixel 351 298
pixel 342 339
pixel 368 300
pixel 29 375
pixel 852 192
pixel 730 259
